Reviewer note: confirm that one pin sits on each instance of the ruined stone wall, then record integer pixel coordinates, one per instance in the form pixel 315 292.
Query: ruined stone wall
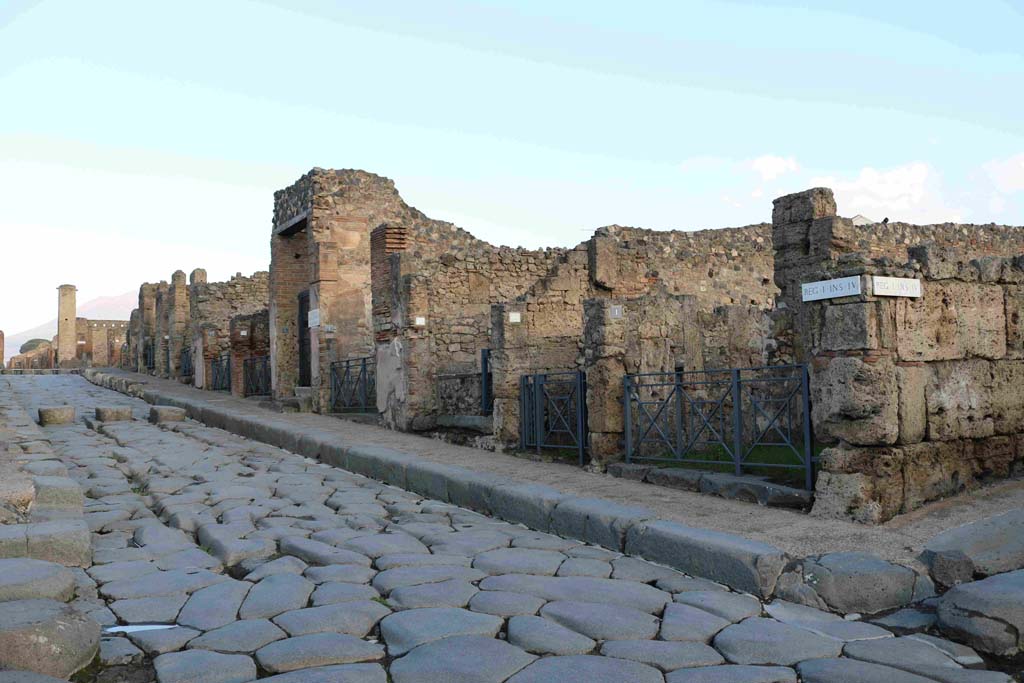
pixel 40 358
pixel 918 397
pixel 212 305
pixel 146 323
pixel 104 339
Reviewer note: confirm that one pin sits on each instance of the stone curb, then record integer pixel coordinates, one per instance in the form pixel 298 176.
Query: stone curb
pixel 740 563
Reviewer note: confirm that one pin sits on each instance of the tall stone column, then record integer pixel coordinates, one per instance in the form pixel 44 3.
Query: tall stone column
pixel 67 340
pixel 1 349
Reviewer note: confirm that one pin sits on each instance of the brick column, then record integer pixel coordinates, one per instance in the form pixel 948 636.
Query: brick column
pixel 67 337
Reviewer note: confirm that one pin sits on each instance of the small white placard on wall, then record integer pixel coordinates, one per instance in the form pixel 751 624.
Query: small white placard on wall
pixel 895 286
pixel 831 289
pixel 421 321
pixel 314 317
pixel 515 317
pixel 615 312
pixel 243 333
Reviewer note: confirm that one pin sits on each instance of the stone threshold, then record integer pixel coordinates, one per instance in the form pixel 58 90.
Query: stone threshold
pixel 745 565
pixel 748 488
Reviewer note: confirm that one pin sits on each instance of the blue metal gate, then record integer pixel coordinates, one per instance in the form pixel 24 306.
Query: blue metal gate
pixel 745 417
pixel 553 412
pixel 185 367
pixel 149 356
pixel 354 385
pixel 256 376
pixel 220 373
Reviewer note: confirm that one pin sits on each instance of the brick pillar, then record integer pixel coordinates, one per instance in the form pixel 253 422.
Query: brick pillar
pixel 101 346
pixel 67 338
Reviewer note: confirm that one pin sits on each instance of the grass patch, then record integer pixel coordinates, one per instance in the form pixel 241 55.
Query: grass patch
pixel 721 461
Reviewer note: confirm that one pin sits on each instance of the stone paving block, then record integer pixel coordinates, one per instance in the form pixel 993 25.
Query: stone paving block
pixel 57 492
pixel 159 414
pixel 905 653
pixel 733 607
pixel 860 582
pixel 990 546
pixel 201 666
pixel 157 610
pixel 529 504
pixel 504 604
pixel 597 521
pixel 13 540
pixel 451 593
pixel 587 669
pixel 602 622
pixel 988 615
pixel 664 655
pixel 824 623
pixel 679 583
pixel 383 544
pixel 113 413
pixel 116 571
pixel 633 569
pixel 333 592
pixel 544 637
pixel 159 641
pixel 737 562
pixel 214 606
pixel 317 553
pixel 544 541
pixel 766 641
pixel 907 620
pixel 317 649
pixel 64 541
pixel 245 635
pixel 119 652
pixel 276 594
pixel 351 618
pixel 190 558
pixel 519 561
pixel 161 583
pixel 339 673
pixel 582 588
pixel 390 579
pixel 581 566
pixel 853 671
pixel 25 579
pixel 403 631
pixel 460 658
pixel 733 673
pixel 344 573
pixel 47 637
pixel 56 415
pixel 27 677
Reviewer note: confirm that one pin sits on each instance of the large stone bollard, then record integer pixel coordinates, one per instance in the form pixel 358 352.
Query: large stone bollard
pixel 166 414
pixel 56 415
pixel 113 413
pixel 47 637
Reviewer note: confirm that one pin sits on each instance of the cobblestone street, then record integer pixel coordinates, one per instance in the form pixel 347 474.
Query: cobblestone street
pixel 265 564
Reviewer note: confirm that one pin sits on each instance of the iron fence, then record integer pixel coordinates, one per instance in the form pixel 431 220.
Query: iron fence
pixel 149 356
pixel 553 412
pixel 220 373
pixel 185 368
pixel 354 385
pixel 741 417
pixel 467 393
pixel 256 373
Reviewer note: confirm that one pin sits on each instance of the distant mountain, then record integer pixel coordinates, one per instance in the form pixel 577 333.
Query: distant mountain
pixel 117 307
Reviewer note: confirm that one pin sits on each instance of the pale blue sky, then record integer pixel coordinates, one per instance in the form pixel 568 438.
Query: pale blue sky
pixel 141 137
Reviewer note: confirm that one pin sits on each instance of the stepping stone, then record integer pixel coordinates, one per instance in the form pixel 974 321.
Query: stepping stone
pixel 334 592
pixel 352 618
pixel 587 669
pixel 519 561
pixel 47 637
pixel 402 631
pixel 158 414
pixel 317 649
pixel 246 635
pixel 282 565
pixel 987 547
pixel 25 579
pixel 390 579
pixel 682 622
pixel 766 641
pixel 384 544
pixel 853 671
pixel 453 593
pixel 158 641
pixel 664 655
pixel 342 573
pixel 543 637
pixel 733 673
pixel 163 609
pixel 731 606
pixel 581 566
pixel 460 658
pixel 276 594
pixel 582 588
pixel 988 615
pixel 504 604
pixel 161 583
pixel 419 560
pixel 340 673
pixel 56 415
pixel 321 554
pixel 214 606
pixel 200 666
pixel 602 622
pixel 113 413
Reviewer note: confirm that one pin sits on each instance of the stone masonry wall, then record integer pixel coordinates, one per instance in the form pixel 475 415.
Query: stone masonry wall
pixel 212 305
pixel 919 397
pixel 249 339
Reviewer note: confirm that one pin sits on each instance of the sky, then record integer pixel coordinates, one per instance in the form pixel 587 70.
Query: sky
pixel 138 138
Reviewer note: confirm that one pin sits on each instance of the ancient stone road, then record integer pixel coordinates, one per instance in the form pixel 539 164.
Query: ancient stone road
pixel 267 564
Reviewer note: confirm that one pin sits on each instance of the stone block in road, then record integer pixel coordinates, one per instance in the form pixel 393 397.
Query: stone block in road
pixel 745 565
pixel 64 541
pixel 339 673
pixel 990 546
pixel 733 673
pixel 543 637
pixel 158 414
pixel 860 582
pixel 766 641
pixel 27 677
pixel 587 669
pixel 664 655
pixel 988 615
pixel 461 658
pixel 113 413
pixel 597 521
pixel 317 649
pixel 853 671
pixel 26 579
pixel 57 492
pixel 56 415
pixel 403 631
pixel 584 589
pixel 47 637
pixel 200 666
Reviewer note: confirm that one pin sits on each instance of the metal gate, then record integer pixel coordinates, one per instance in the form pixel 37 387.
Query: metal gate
pixel 220 373
pixel 354 385
pixel 305 364
pixel 553 412
pixel 149 355
pixel 185 369
pixel 256 373
pixel 740 417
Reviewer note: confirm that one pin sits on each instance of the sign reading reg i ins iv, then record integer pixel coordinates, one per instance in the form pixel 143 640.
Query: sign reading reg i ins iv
pixel 895 286
pixel 830 289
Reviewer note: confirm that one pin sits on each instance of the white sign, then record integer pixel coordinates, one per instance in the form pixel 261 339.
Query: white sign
pixel 421 321
pixel 515 317
pixel 314 317
pixel 243 333
pixel 616 311
pixel 831 289
pixel 895 286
